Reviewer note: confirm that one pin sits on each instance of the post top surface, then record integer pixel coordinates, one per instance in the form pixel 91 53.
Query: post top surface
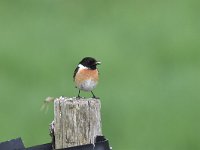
pixel 75 99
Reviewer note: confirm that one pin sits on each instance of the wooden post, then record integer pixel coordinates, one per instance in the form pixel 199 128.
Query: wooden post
pixel 76 121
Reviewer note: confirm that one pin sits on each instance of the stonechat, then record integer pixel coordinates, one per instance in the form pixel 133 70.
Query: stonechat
pixel 86 75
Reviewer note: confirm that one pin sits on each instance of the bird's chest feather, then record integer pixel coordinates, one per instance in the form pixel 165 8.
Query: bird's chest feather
pixel 86 79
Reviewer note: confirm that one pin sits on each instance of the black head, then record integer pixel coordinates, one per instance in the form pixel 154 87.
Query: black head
pixel 89 62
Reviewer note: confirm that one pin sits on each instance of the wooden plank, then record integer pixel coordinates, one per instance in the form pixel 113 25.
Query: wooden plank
pixel 76 121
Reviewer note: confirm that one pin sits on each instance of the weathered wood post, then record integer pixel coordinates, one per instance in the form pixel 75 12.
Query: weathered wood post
pixel 76 121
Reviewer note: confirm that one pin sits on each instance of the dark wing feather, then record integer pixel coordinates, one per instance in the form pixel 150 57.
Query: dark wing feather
pixel 75 71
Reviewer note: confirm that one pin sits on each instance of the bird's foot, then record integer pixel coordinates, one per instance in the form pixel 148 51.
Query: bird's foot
pixel 79 97
pixel 95 97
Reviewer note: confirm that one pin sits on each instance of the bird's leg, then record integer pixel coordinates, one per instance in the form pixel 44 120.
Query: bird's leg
pixel 78 94
pixel 93 96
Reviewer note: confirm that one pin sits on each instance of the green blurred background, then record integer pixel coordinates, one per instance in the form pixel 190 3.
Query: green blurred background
pixel 150 72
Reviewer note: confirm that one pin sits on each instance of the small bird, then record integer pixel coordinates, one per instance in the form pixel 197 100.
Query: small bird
pixel 86 75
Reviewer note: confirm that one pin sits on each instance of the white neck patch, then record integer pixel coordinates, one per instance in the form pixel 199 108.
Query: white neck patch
pixel 82 67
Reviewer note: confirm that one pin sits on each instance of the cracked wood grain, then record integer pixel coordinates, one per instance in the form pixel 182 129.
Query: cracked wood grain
pixel 76 121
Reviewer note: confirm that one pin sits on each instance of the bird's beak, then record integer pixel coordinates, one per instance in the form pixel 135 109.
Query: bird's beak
pixel 98 63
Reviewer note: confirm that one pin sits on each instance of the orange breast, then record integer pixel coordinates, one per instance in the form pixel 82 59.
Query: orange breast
pixel 86 74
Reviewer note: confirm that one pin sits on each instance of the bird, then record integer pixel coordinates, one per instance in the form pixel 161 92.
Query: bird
pixel 86 75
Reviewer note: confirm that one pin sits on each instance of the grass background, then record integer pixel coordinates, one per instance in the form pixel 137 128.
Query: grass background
pixel 150 72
